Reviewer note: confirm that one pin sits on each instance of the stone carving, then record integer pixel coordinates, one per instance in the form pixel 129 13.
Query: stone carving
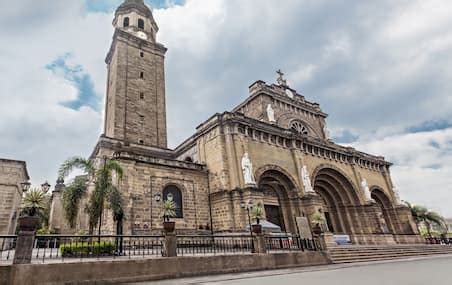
pixel 366 190
pixel 270 113
pixel 306 180
pixel 247 168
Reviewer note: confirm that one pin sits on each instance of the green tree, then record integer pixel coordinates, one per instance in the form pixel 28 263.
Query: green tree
pixel 422 215
pixel 105 191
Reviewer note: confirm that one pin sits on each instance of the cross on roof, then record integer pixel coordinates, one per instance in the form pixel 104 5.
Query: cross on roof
pixel 281 81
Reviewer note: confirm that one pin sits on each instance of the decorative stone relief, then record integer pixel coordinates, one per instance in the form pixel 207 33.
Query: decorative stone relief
pixel 270 114
pixel 247 169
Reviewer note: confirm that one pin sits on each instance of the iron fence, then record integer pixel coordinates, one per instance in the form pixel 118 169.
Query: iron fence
pixel 69 247
pixel 434 240
pixel 66 248
pixel 8 246
pixel 205 245
pixel 290 243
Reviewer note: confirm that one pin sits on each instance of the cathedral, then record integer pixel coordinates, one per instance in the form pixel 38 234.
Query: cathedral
pixel 273 149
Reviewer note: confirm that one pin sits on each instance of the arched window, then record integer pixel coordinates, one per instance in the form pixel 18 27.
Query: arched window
pixel 299 128
pixel 188 159
pixel 141 24
pixel 173 193
pixel 126 22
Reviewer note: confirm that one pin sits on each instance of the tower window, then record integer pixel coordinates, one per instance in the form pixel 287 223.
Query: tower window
pixel 142 75
pixel 141 141
pixel 141 54
pixel 126 22
pixel 141 24
pixel 141 95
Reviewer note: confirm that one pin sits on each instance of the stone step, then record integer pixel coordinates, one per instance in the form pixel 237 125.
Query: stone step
pixel 386 257
pixel 372 253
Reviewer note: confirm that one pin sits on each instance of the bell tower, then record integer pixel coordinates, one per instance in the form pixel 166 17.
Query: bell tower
pixel 135 105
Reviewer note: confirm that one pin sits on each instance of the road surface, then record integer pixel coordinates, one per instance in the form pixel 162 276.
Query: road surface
pixel 416 271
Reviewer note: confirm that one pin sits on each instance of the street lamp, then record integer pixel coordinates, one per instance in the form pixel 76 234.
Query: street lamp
pixel 158 197
pixel 25 186
pixel 45 187
pixel 249 206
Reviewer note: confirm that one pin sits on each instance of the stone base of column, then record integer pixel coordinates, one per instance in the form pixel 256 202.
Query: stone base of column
pixel 24 247
pixel 327 240
pixel 170 245
pixel 259 243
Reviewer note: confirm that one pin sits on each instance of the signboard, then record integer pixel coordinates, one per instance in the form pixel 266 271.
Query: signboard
pixel 303 227
pixel 342 239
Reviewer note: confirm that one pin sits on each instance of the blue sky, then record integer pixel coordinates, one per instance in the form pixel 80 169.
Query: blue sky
pixel 380 69
pixel 111 5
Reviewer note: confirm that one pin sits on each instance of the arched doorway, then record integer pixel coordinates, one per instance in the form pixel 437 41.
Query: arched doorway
pixel 278 189
pixel 339 197
pixel 385 205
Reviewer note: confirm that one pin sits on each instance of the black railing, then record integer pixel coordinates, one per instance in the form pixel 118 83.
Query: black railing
pixel 7 247
pixel 61 248
pixel 434 240
pixel 67 247
pixel 206 245
pixel 290 243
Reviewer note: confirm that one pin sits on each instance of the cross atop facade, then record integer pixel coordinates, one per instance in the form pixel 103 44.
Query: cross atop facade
pixel 281 81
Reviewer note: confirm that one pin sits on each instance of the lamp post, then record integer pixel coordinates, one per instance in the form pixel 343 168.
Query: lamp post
pixel 25 186
pixel 249 206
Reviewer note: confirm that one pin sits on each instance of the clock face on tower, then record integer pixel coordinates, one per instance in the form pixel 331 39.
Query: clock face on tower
pixel 142 35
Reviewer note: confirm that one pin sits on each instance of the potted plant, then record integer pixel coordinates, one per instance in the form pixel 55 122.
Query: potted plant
pixel 169 211
pixel 317 222
pixel 34 204
pixel 257 213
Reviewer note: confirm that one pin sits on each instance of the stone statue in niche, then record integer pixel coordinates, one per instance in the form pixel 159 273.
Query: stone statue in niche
pixel 270 114
pixel 366 190
pixel 327 132
pixel 397 196
pixel 247 168
pixel 306 180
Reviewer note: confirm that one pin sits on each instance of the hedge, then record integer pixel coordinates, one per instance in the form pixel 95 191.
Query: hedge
pixel 87 249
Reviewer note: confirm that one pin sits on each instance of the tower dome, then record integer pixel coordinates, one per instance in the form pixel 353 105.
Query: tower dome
pixel 138 5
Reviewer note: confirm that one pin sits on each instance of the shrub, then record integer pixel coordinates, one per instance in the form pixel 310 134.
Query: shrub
pixel 87 249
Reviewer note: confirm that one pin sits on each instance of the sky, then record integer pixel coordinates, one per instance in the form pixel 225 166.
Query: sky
pixel 381 69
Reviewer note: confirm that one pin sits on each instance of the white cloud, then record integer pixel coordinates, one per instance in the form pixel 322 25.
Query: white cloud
pixel 422 166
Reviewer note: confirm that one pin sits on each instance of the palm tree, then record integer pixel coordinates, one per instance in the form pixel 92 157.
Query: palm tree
pixel 74 192
pixel 104 191
pixel 422 215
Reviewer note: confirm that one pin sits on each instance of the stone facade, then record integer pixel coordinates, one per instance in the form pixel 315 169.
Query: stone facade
pixel 12 174
pixel 280 131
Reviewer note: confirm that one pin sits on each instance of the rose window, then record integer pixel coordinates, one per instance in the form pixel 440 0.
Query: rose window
pixel 299 128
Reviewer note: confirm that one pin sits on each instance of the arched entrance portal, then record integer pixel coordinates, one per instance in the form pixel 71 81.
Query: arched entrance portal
pixel 278 192
pixel 385 206
pixel 338 197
